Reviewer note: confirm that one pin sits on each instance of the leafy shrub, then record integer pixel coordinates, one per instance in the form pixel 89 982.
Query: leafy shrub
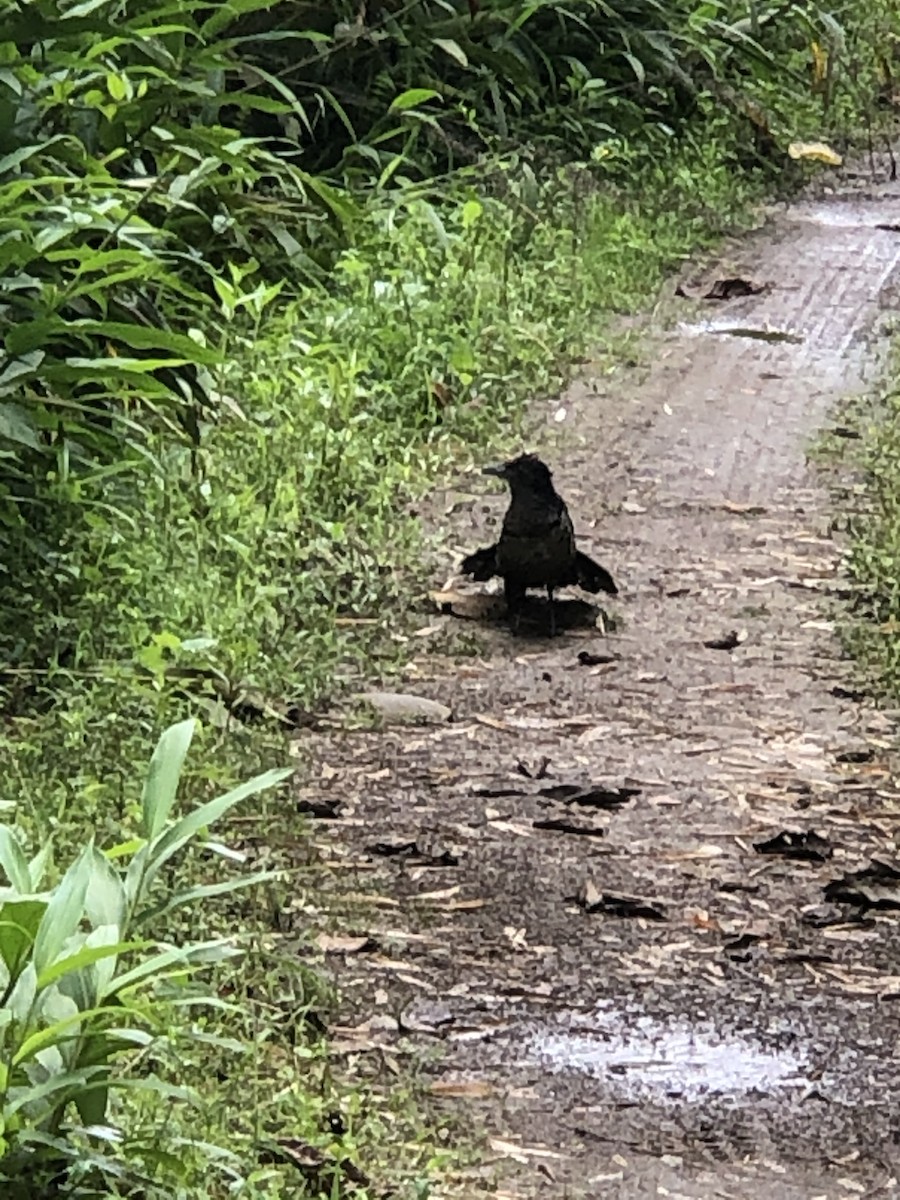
pixel 81 980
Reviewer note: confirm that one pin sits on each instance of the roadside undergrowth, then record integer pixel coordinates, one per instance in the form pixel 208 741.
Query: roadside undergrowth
pixel 872 629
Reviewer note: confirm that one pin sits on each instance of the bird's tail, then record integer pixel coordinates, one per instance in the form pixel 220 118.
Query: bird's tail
pixel 481 565
pixel 591 576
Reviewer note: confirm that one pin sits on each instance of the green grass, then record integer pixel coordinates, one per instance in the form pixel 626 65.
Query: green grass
pixel 871 502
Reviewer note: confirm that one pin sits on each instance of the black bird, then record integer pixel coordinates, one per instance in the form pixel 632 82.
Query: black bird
pixel 537 542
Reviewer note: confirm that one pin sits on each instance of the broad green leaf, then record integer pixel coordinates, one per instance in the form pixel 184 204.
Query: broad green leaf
pixel 163 775
pixel 71 1081
pixel 12 856
pixel 125 848
pixel 472 210
pixel 10 161
pixel 172 962
pixel 84 958
pixel 207 814
pixel 135 877
pixel 22 997
pixel 105 902
pixel 58 1033
pixel 84 9
pixel 205 891
pixel 343 207
pixel 38 865
pixel 64 911
pixel 636 65
pixel 16 425
pixel 225 14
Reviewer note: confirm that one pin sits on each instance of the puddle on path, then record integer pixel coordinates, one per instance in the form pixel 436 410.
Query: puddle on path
pixel 728 328
pixel 643 1058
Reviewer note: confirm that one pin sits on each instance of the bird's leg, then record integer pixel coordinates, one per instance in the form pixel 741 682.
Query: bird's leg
pixel 515 597
pixel 552 611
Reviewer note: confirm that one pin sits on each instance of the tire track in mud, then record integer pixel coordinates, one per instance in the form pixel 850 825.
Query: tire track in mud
pixel 738 1035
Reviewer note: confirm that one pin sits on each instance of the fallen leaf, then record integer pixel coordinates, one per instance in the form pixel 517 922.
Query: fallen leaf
pixel 593 900
pixel 516 937
pixel 806 845
pixel 610 798
pixel 416 855
pixel 473 1089
pixel 728 289
pixel 587 659
pixel 875 886
pixel 816 151
pixel 729 642
pixel 344 944
pixel 469 606
pixel 565 825
pixel 522 1153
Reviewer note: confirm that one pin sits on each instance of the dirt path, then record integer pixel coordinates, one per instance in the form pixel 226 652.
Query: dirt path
pixel 720 1024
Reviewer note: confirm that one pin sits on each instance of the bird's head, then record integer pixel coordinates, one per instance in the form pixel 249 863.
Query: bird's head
pixel 526 471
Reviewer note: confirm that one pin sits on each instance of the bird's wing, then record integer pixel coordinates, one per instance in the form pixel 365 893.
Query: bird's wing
pixel 482 564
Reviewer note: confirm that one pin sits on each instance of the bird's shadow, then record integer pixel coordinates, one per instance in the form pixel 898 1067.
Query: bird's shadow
pixel 532 617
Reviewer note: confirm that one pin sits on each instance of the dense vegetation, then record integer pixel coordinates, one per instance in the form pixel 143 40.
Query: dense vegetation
pixel 263 263
pixel 873 502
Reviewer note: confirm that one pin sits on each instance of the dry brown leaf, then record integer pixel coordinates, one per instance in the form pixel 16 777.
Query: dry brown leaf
pixel 509 827
pixel 702 920
pixel 344 944
pixel 364 898
pixel 516 937
pixel 493 723
pixel 521 1153
pixel 393 964
pixel 709 851
pixel 471 1088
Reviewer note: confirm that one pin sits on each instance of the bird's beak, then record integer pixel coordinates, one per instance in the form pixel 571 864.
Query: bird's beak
pixel 500 471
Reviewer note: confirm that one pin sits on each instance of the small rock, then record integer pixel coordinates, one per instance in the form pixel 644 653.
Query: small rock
pixel 403 706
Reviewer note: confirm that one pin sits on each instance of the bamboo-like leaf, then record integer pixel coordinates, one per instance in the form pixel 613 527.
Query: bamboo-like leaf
pixel 64 911
pixel 204 892
pixel 85 957
pixel 12 856
pixel 163 775
pixel 105 902
pixel 412 98
pixel 16 425
pixel 207 814
pixel 57 1033
pixel 173 961
pixel 454 49
pixel 69 1082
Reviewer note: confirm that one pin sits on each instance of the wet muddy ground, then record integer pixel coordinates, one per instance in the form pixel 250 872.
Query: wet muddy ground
pixel 636 904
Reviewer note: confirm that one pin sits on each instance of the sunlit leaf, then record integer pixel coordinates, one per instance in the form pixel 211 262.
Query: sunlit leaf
pixel 456 52
pixel 163 775
pixel 816 152
pixel 64 912
pixel 412 98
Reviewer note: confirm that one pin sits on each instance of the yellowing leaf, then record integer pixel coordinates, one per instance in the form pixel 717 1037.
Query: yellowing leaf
pixel 817 151
pixel 820 62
